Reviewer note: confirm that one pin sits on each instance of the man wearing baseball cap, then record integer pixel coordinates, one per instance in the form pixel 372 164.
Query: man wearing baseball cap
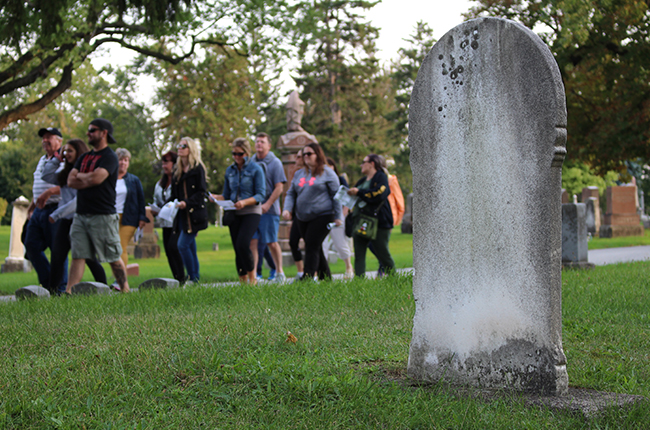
pixel 95 229
pixel 46 196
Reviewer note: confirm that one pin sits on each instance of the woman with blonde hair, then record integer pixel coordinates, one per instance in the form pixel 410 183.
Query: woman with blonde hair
pixel 246 187
pixel 189 188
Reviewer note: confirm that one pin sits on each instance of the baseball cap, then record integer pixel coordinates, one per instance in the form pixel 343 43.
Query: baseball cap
pixel 51 130
pixel 104 124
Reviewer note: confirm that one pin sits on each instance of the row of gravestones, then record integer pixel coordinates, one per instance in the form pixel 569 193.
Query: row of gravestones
pixel 87 288
pixel 621 218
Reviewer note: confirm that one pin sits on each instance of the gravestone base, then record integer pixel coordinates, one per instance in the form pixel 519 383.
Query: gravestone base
pixel 133 269
pixel 587 403
pixel 159 283
pixel 12 265
pixel 578 265
pixel 32 292
pixel 609 231
pixel 90 288
pixel 146 251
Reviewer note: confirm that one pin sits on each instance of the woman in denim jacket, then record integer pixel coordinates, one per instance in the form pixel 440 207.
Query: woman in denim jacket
pixel 245 186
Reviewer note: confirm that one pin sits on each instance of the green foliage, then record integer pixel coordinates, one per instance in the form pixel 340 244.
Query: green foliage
pixel 404 71
pixel 577 176
pixel 3 207
pixel 603 51
pixel 53 38
pixel 214 100
pixel 346 94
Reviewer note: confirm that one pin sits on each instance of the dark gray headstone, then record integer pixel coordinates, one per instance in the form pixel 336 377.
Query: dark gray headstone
pixel 487 131
pixel 157 283
pixel 32 292
pixel 574 236
pixel 90 288
pixel 590 216
pixel 407 220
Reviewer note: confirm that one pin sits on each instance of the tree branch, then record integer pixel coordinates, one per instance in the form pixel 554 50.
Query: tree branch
pixel 23 110
pixel 16 67
pixel 38 71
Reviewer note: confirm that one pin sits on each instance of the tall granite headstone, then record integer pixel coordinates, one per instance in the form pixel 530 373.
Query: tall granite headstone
pixel 487 134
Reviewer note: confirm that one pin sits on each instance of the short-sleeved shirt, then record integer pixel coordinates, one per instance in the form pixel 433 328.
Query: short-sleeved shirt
pixel 274 173
pixel 100 199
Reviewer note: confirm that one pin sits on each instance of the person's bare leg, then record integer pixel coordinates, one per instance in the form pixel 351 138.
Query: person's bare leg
pixel 348 265
pixel 75 274
pixel 243 279
pixel 119 271
pixel 276 253
pixel 252 278
pixel 300 267
pixel 253 247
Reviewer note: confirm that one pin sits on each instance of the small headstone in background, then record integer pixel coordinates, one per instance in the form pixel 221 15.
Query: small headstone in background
pixel 90 288
pixel 32 292
pixel 621 217
pixel 593 216
pixel 16 261
pixel 487 131
pixel 407 220
pixel 565 196
pixel 574 236
pixel 157 283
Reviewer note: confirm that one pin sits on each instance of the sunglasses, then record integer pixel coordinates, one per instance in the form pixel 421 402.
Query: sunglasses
pixel 308 154
pixel 92 130
pixel 238 154
pixel 182 146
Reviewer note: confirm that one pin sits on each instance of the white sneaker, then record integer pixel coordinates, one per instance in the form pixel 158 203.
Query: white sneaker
pixel 280 278
pixel 348 275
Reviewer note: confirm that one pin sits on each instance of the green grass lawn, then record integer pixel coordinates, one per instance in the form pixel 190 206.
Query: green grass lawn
pixel 216 266
pixel 617 242
pixel 218 358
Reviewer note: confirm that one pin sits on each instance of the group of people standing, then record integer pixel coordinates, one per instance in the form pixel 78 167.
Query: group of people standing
pixel 86 201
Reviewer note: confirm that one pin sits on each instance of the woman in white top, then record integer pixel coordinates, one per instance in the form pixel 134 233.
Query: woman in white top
pixel 129 201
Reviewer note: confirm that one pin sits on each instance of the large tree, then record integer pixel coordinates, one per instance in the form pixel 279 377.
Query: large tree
pixel 603 50
pixel 345 92
pixel 43 39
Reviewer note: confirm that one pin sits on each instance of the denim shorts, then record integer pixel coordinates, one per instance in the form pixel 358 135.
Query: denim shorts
pixel 267 231
pixel 96 236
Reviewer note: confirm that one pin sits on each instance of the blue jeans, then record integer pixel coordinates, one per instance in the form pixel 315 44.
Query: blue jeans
pixel 187 249
pixel 40 234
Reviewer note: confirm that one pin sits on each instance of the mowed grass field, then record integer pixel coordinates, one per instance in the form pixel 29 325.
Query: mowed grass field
pixel 219 357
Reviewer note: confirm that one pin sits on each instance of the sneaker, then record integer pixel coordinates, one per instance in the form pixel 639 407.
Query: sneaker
pixel 299 276
pixel 348 275
pixel 272 275
pixel 280 278
pixel 260 277
pixel 115 286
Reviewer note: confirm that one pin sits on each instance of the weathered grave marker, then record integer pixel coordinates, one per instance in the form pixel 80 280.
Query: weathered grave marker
pixel 32 292
pixel 158 283
pixel 574 236
pixel 487 135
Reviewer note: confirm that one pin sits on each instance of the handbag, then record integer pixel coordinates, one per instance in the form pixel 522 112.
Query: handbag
pixel 365 225
pixel 228 218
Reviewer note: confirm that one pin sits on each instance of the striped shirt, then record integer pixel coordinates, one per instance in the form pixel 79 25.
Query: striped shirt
pixel 40 185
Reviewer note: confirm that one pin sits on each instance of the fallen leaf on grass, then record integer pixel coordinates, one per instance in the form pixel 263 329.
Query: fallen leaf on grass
pixel 291 338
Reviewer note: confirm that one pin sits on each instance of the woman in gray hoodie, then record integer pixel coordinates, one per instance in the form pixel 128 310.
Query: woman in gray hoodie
pixel 311 198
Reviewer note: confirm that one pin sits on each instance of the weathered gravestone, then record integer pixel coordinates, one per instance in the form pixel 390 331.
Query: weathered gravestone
pixel 487 134
pixel 90 288
pixel 574 236
pixel 621 217
pixel 32 292
pixel 159 283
